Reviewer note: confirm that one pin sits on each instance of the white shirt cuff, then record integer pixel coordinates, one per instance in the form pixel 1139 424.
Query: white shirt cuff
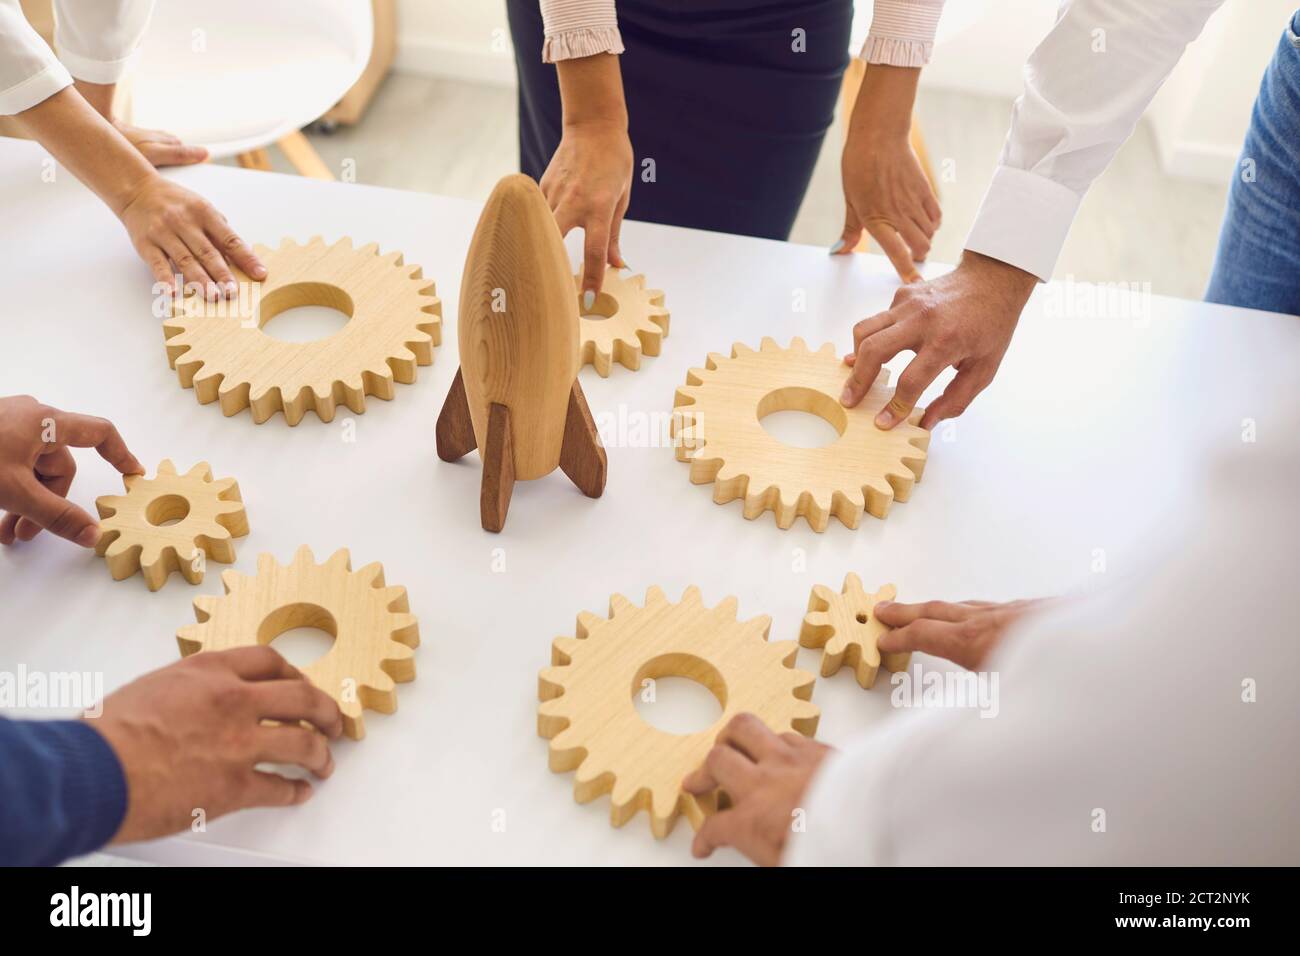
pixel 91 70
pixel 35 89
pixel 1023 221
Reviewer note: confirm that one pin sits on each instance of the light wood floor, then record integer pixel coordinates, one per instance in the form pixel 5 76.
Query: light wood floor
pixel 1136 225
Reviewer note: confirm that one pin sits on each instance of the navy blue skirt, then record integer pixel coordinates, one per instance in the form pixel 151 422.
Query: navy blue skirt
pixel 728 100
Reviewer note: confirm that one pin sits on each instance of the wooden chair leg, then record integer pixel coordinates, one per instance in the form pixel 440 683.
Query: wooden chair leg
pixel 582 457
pixel 255 159
pixel 303 156
pixel 498 470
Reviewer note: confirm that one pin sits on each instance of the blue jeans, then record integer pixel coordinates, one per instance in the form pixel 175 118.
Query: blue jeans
pixel 1258 262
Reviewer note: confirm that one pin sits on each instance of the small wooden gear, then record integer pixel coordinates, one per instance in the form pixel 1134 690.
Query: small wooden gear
pixel 589 716
pixel 207 516
pixel 394 322
pixel 717 428
pixel 844 625
pixel 374 632
pixel 633 322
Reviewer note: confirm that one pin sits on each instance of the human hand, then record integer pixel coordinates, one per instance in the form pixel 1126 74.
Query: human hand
pixel 161 148
pixel 964 319
pixel 886 191
pixel 588 181
pixel 36 469
pixel 964 633
pixel 169 225
pixel 765 775
pixel 189 737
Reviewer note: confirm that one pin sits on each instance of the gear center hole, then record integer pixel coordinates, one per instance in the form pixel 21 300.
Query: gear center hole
pixel 802 417
pixel 166 510
pixel 679 694
pixel 603 308
pixel 303 633
pixel 304 311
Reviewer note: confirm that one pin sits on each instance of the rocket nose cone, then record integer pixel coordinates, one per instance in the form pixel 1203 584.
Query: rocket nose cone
pixel 517 195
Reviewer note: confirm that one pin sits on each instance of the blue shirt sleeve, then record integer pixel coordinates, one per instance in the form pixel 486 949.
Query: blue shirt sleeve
pixel 62 791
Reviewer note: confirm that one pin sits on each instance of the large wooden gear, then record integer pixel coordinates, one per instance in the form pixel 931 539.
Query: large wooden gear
pixel 220 350
pixel 373 629
pixel 205 516
pixel 717 426
pixel 589 716
pixel 845 626
pixel 633 322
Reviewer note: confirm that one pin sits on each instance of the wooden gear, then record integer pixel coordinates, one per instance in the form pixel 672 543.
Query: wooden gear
pixel 219 348
pixel 634 322
pixel 208 515
pixel 844 625
pixel 374 633
pixel 717 428
pixel 516 396
pixel 588 713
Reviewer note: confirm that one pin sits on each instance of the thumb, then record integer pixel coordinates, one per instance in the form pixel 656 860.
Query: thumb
pixel 852 234
pixel 173 154
pixel 55 514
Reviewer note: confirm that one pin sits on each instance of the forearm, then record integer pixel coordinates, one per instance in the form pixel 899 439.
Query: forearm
pixel 591 90
pixel 885 100
pixel 62 791
pixel 98 95
pixel 88 146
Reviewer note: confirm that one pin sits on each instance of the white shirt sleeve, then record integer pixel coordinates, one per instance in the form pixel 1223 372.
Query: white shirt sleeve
pixel 1086 86
pixel 95 39
pixel 1152 723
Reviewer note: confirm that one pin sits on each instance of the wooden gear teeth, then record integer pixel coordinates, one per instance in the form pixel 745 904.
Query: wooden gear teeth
pixel 635 323
pixel 220 350
pixel 208 515
pixel 844 625
pixel 373 629
pixel 589 716
pixel 717 428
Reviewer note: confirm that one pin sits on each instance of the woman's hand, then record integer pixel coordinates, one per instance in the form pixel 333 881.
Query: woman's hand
pixel 886 191
pixel 173 227
pixel 36 469
pixel 161 148
pixel 964 633
pixel 589 180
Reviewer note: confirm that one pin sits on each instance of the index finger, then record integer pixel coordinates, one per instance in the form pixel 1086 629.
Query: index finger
pixel 87 431
pixel 873 353
pixel 893 246
pixel 235 249
pixel 595 254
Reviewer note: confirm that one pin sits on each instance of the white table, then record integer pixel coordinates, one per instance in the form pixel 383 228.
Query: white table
pixel 1093 428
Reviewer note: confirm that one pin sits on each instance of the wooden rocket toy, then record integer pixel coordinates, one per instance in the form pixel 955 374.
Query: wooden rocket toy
pixel 516 395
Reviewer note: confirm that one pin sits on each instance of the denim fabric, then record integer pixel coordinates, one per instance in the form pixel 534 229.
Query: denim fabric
pixel 1258 262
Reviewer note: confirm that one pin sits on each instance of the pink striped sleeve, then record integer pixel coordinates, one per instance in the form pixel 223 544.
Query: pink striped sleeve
pixel 577 28
pixel 902 32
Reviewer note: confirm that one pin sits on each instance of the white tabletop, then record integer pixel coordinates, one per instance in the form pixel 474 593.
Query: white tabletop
pixel 1093 428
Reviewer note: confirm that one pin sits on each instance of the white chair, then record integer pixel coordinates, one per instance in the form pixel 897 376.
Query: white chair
pixel 239 75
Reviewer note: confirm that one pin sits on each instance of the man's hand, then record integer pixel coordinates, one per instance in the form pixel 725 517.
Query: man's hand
pixel 964 319
pixel 588 182
pixel 765 775
pixel 964 633
pixel 36 469
pixel 190 735
pixel 169 225
pixel 885 189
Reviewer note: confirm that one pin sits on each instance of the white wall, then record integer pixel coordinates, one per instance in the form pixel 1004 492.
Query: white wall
pixel 1199 119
